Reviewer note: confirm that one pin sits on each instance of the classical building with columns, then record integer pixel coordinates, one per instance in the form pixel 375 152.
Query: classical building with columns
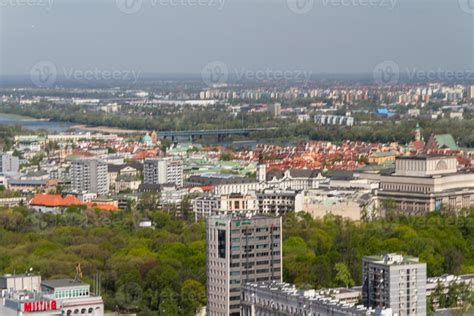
pixel 422 184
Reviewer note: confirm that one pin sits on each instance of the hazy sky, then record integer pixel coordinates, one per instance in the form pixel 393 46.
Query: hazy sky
pixel 182 36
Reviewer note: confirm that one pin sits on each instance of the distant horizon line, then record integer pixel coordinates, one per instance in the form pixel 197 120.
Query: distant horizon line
pixel 199 74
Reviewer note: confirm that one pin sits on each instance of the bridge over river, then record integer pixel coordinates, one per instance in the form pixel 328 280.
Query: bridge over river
pixel 220 133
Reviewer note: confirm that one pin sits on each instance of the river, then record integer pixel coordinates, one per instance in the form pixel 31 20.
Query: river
pixel 33 124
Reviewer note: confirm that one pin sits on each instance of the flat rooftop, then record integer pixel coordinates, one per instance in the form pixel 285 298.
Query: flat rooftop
pixel 240 216
pixel 422 157
pixel 62 283
pixel 392 259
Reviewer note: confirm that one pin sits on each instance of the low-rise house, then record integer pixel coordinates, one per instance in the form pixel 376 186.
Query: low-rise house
pixel 53 203
pixel 380 157
pixel 56 204
pixel 127 183
pixel 32 185
pixel 130 169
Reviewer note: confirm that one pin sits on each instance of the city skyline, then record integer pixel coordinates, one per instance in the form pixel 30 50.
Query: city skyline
pixel 236 157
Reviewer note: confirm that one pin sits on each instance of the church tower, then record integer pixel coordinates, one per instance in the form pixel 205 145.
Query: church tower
pixel 261 170
pixel 418 135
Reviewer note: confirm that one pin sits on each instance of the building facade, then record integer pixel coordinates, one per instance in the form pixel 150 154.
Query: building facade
pixel 423 184
pixel 89 175
pixel 283 299
pixel 279 202
pixel 163 170
pixel 269 201
pixel 9 165
pixel 326 119
pixel 239 250
pixel 396 282
pixel 27 295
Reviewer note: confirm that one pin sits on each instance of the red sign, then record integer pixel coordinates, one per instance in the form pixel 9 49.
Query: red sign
pixel 39 306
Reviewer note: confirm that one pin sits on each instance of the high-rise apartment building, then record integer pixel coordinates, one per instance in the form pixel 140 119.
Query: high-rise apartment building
pixel 395 281
pixel 239 250
pixel 274 109
pixel 9 164
pixel 163 170
pixel 471 92
pixel 89 175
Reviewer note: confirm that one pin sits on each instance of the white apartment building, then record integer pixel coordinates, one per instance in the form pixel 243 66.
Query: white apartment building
pixel 89 175
pixel 269 201
pixel 161 170
pixel 279 202
pixel 396 282
pixel 283 299
pixel 327 119
pixel 206 206
pixel 9 165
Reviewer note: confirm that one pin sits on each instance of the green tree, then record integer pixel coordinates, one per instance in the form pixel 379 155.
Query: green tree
pixel 343 275
pixel 168 305
pixel 193 296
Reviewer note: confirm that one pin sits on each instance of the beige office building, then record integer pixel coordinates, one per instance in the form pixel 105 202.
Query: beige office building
pixel 422 184
pixel 240 250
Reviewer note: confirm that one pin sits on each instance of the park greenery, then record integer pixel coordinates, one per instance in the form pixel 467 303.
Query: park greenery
pixel 162 270
pixel 7 136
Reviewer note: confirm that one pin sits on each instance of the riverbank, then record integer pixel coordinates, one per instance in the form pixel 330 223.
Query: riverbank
pixel 106 129
pixel 17 117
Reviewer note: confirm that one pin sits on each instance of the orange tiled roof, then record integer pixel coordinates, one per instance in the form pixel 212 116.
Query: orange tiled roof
pixel 102 206
pixel 54 200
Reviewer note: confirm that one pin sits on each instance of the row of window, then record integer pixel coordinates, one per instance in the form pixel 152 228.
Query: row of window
pixel 71 293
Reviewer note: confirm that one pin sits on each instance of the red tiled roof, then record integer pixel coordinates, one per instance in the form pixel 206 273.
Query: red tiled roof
pixel 206 188
pixel 54 200
pixel 83 153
